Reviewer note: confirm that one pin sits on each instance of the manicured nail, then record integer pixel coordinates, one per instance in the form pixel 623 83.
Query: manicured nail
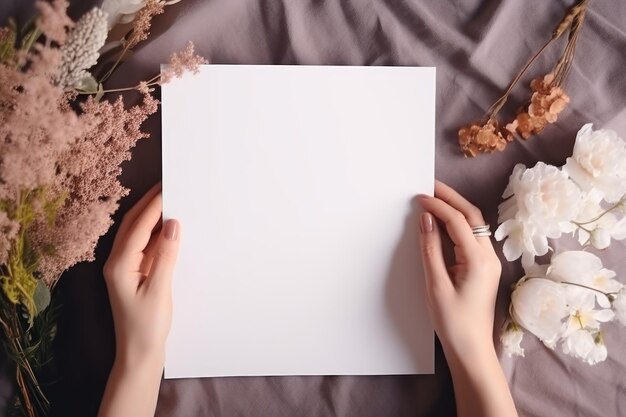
pixel 171 230
pixel 426 223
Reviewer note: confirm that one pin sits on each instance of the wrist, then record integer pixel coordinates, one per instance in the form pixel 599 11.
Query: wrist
pixel 477 362
pixel 146 360
pixel 469 353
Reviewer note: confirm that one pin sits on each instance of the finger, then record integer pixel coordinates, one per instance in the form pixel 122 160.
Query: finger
pixel 140 231
pixel 472 213
pixel 148 253
pixel 436 274
pixel 165 254
pixel 132 214
pixel 456 225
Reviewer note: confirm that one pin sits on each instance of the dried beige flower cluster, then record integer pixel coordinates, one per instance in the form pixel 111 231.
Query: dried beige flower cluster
pixel 547 101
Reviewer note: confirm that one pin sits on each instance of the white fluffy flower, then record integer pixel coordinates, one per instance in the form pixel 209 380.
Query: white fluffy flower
pixel 583 345
pixel 539 305
pixel 80 51
pixel 584 268
pixel 597 163
pixel 619 306
pixel 511 338
pixel 541 203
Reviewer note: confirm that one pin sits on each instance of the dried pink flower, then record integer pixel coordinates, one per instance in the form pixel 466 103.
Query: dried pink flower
pixel 89 172
pixel 143 22
pixel 66 160
pixel 53 21
pixel 186 60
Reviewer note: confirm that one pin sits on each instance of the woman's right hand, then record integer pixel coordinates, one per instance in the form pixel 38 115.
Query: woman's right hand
pixel 461 298
pixel 461 302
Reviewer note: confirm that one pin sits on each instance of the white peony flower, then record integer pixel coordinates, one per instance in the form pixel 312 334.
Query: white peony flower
pixel 539 305
pixel 541 203
pixel 597 163
pixel 584 268
pixel 619 306
pixel 511 338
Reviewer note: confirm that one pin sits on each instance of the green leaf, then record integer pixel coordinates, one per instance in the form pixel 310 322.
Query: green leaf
pixel 88 85
pixel 41 297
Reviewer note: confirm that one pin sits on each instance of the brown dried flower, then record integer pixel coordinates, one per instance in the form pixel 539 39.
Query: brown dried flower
pixel 475 139
pixel 546 102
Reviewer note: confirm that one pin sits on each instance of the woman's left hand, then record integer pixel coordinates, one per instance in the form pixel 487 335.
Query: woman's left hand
pixel 138 275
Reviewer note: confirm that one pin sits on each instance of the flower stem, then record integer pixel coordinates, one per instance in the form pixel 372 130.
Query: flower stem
pixel 599 216
pixel 572 19
pixel 606 294
pixel 495 108
pixel 151 83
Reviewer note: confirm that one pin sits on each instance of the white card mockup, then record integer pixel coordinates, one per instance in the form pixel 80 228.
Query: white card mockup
pixel 295 189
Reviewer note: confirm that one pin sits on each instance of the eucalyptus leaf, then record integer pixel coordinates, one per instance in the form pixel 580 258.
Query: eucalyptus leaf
pixel 41 297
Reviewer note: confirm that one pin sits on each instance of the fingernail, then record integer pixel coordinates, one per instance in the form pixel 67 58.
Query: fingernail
pixel 171 230
pixel 426 223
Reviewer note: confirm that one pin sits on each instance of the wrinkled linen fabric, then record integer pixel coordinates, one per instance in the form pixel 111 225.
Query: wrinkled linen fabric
pixel 477 47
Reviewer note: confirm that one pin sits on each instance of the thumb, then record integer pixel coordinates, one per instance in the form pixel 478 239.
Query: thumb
pixel 435 271
pixel 165 254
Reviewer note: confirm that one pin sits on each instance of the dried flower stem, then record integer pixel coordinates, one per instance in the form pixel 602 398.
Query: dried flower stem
pixel 117 62
pixel 497 106
pixel 154 81
pixel 31 397
pixel 574 17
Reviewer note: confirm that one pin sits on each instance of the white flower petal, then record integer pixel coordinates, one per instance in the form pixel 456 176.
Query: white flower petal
pixel 600 238
pixel 604 315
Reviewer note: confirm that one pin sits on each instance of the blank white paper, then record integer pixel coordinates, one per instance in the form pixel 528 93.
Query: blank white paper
pixel 295 188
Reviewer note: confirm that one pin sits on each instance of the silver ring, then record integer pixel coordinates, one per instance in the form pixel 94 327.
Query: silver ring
pixel 481 231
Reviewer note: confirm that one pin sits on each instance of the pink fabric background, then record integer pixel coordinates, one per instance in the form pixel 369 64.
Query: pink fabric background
pixel 477 46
